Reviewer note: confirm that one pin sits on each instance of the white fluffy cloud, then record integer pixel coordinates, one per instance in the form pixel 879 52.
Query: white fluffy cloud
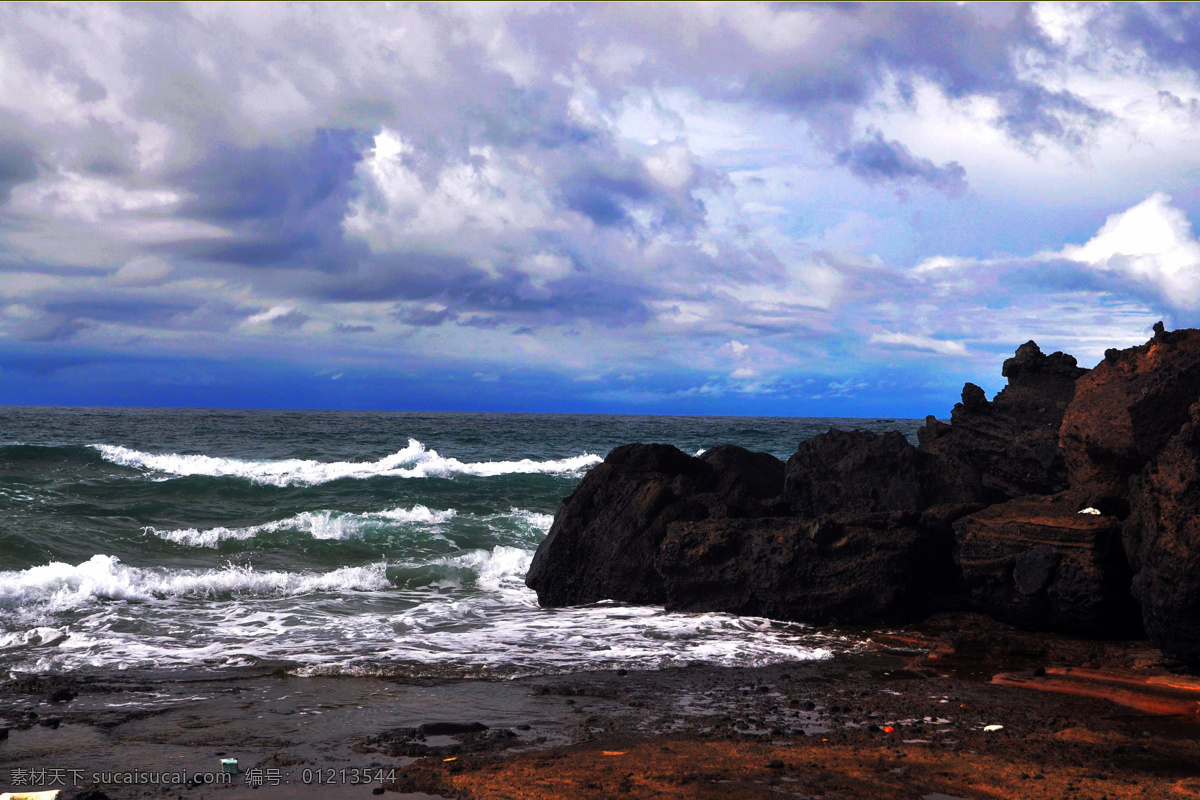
pixel 1151 242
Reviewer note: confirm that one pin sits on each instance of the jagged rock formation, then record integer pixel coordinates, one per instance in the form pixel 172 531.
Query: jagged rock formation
pixel 985 513
pixel 1009 447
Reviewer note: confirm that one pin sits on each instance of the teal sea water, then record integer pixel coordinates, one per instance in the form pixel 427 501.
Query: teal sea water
pixel 333 543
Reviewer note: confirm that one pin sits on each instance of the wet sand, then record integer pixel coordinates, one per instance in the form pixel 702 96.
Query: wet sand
pixel 905 717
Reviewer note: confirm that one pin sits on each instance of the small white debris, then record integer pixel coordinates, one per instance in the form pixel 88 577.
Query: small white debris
pixel 1090 510
pixel 990 728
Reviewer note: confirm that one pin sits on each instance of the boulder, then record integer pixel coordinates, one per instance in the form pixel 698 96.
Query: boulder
pixel 607 533
pixel 860 472
pixel 866 569
pixel 1040 564
pixel 1124 412
pixel 1009 447
pixel 1162 537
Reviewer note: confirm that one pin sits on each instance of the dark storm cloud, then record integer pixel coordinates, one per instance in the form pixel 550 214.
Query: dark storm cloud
pixel 123 309
pixel 54 328
pixel 483 323
pixel 602 199
pixel 875 159
pixel 1169 33
pixel 397 276
pixel 350 329
pixel 606 303
pixel 273 182
pixel 1030 110
pixel 18 164
pixel 425 317
pixel 285 204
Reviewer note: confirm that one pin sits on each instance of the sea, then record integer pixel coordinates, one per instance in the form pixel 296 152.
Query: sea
pixel 335 543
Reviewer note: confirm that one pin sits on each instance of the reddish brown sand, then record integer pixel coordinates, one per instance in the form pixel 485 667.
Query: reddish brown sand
pixel 1121 727
pixel 1074 762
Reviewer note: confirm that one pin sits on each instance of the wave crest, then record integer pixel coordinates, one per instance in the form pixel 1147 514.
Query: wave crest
pixel 317 524
pixel 58 587
pixel 413 461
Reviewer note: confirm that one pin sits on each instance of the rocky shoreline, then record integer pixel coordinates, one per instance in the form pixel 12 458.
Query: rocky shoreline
pixel 911 714
pixel 1067 503
pixel 1024 583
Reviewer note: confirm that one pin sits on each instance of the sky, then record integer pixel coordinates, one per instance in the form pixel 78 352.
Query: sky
pixel 796 210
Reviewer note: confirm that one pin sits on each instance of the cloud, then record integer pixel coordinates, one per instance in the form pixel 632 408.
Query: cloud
pixel 875 159
pixel 54 328
pixel 340 327
pixel 429 316
pixel 18 165
pixel 144 271
pixel 597 190
pixel 917 342
pixel 1150 242
pixel 277 317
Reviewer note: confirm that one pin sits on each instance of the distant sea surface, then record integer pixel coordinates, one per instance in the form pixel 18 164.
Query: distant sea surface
pixel 333 543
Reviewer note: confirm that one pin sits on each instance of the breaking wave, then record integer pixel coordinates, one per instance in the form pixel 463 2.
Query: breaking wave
pixel 317 524
pixel 413 461
pixel 58 587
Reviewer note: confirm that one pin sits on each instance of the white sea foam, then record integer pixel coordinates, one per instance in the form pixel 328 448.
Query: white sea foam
pixel 490 624
pixel 413 461
pixel 58 587
pixel 533 519
pixel 317 524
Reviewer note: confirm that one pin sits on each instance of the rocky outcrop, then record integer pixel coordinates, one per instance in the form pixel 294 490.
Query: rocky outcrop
pixel 1124 412
pixel 985 513
pixel 859 472
pixel 1009 447
pixel 1162 537
pixel 1041 564
pixel 871 568
pixel 605 537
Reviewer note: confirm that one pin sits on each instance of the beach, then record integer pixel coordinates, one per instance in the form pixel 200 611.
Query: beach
pixel 907 715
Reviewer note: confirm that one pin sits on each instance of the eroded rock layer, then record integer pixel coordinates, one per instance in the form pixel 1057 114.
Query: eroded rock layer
pixel 1040 563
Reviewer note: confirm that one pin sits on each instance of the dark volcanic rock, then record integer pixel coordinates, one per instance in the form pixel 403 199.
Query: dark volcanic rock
pixel 1041 564
pixel 863 528
pixel 606 535
pixel 859 472
pixel 1124 412
pixel 1009 447
pixel 878 567
pixel 1162 537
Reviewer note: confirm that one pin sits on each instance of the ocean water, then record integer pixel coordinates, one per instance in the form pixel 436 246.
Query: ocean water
pixel 333 543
